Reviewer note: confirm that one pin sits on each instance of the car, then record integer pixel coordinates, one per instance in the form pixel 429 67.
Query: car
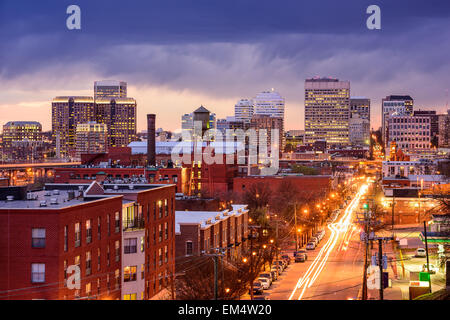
pixel 315 239
pixel 286 258
pixel 433 268
pixel 265 282
pixel 421 252
pixel 261 298
pixel 300 257
pixel 310 246
pixel 282 263
pixel 303 251
pixel 267 275
pixel 257 288
pixel 278 267
pixel 274 273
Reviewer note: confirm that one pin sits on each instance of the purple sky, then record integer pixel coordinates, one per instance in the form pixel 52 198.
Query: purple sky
pixel 176 55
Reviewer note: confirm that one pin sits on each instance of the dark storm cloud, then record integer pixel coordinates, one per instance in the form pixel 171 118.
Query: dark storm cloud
pixel 234 47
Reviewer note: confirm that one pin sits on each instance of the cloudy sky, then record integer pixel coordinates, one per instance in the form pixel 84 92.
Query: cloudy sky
pixel 179 54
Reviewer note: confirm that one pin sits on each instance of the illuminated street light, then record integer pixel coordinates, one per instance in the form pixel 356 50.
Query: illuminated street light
pixel 264 246
pixel 271 240
pixel 305 211
pixel 227 290
pixel 244 260
pixel 254 253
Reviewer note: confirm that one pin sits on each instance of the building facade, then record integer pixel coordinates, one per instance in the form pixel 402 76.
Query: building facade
pixel 360 106
pixel 444 130
pixel 359 131
pixel 394 104
pixel 91 138
pixel 243 110
pixel 67 113
pixel 22 141
pixel 412 134
pixel 327 108
pixel 110 89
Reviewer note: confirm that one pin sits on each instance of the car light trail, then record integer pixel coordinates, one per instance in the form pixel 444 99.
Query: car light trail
pixel 343 227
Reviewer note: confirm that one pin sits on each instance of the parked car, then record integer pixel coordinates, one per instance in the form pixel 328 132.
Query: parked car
pixel 421 252
pixel 257 288
pixel 265 282
pixel 261 298
pixel 310 246
pixel 315 239
pixel 278 267
pixel 282 263
pixel 304 252
pixel 286 258
pixel 267 275
pixel 433 268
pixel 300 257
pixel 274 273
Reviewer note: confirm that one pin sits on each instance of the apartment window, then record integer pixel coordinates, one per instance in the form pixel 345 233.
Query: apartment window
pixel 117 222
pixel 130 245
pixel 166 254
pixel 160 209
pixel 99 228
pixel 98 286
pixel 160 256
pixel 38 238
pixel 107 256
pixel 129 273
pixel 142 244
pixel 154 234
pixel 108 224
pixel 88 289
pixel 142 271
pixel 166 231
pixel 88 231
pixel 77 234
pixel 99 256
pixel 117 244
pixel 117 278
pixel 37 272
pixel 66 237
pixel 76 261
pixel 160 232
pixel 131 296
pixel 189 248
pixel 166 208
pixel 108 283
pixel 88 263
pixel 154 210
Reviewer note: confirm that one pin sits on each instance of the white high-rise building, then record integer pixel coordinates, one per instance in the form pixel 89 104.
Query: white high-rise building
pixel 110 89
pixel 243 110
pixel 269 103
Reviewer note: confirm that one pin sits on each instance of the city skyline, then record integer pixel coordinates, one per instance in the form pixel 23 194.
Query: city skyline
pixel 204 59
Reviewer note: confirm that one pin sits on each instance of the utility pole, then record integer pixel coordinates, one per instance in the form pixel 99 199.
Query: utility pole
pixel 251 263
pixel 380 264
pixel 426 249
pixel 216 277
pixel 296 232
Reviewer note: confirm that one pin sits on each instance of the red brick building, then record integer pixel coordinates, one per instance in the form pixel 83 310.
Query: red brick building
pixel 199 232
pixel 304 184
pixel 80 224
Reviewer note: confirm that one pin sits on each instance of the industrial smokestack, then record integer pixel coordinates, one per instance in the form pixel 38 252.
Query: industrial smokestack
pixel 151 152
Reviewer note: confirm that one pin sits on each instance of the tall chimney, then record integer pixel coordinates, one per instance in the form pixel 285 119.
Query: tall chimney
pixel 151 158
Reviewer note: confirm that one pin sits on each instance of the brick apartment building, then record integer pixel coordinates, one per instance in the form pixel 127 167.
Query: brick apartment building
pixel 318 185
pixel 43 233
pixel 199 232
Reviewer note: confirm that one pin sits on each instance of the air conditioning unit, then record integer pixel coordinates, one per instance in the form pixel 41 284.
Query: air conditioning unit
pixel 53 201
pixel 48 193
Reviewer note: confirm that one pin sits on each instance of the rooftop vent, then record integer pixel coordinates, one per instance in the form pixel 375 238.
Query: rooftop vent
pixel 48 193
pixel 43 203
pixel 116 187
pixel 53 201
pixel 131 187
pixel 56 191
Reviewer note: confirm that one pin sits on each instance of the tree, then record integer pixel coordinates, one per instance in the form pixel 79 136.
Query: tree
pixel 258 195
pixel 297 168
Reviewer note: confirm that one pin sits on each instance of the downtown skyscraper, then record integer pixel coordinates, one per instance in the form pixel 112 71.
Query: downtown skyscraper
pixel 327 107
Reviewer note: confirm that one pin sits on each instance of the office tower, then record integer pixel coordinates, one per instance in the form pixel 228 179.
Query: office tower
pixel 151 144
pixel 243 110
pixel 264 121
pixel 434 123
pixel 110 89
pixel 119 115
pixel 187 123
pixel 91 137
pixel 359 131
pixel 22 141
pixel 360 106
pixel 410 133
pixel 444 130
pixel 394 104
pixel 327 108
pixel 230 123
pixel 67 113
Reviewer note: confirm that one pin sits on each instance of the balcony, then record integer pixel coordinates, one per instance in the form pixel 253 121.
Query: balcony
pixel 133 224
